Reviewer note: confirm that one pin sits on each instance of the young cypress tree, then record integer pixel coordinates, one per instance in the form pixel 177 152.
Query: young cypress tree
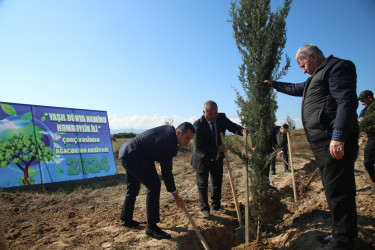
pixel 260 36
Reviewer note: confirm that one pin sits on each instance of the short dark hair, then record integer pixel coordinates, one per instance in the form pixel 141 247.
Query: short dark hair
pixel 286 126
pixel 185 126
pixel 365 93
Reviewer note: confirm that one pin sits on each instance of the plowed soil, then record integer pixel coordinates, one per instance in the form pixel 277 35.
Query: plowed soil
pixel 85 214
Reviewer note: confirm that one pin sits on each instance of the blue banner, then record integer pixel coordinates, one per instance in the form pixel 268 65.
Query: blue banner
pixel 40 144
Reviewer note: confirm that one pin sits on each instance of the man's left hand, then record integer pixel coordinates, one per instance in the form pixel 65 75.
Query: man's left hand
pixel 336 148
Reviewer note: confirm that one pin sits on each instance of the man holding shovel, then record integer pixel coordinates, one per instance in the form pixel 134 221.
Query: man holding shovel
pixel 208 155
pixel 138 157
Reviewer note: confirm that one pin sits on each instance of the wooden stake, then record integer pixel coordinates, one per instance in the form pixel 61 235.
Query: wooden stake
pixel 292 168
pixel 232 186
pixel 246 175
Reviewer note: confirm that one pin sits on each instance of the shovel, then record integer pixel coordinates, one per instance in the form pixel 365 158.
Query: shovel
pixel 200 236
pixel 240 230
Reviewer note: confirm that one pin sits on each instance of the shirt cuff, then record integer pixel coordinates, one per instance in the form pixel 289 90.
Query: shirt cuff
pixel 338 134
pixel 176 191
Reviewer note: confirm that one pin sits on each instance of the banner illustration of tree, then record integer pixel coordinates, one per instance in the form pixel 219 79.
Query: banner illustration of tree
pixel 40 144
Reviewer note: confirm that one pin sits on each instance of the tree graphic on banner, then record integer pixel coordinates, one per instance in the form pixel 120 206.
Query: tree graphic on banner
pixel 23 146
pixel 22 150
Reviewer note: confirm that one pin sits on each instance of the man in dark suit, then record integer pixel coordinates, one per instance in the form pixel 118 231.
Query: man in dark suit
pixel 138 157
pixel 208 154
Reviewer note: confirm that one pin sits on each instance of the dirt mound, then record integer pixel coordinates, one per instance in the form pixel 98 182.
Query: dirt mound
pixel 85 214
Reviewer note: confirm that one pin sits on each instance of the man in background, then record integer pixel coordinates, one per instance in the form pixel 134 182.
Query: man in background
pixel 138 157
pixel 208 155
pixel 280 141
pixel 367 125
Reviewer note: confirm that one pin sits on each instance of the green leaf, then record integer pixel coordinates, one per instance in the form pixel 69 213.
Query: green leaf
pixel 60 170
pixel 43 118
pixel 28 129
pixel 32 172
pixel 27 116
pixel 8 109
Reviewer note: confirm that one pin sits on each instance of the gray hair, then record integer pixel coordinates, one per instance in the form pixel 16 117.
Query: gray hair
pixel 306 49
pixel 209 104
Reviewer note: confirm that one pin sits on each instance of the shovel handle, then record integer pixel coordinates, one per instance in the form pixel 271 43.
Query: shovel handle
pixel 232 184
pixel 292 168
pixel 200 236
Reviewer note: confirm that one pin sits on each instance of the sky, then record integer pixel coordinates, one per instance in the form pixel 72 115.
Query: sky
pixel 147 62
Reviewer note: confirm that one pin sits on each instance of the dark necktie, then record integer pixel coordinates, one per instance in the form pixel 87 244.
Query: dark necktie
pixel 214 133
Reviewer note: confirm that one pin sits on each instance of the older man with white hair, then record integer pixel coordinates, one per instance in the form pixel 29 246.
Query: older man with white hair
pixel 329 117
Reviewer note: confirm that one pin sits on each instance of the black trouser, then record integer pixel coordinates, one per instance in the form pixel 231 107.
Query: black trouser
pixel 339 184
pixel 215 170
pixel 369 158
pixel 139 171
pixel 285 157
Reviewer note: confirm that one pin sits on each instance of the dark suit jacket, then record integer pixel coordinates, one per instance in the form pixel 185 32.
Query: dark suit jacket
pixel 282 141
pixel 205 149
pixel 157 144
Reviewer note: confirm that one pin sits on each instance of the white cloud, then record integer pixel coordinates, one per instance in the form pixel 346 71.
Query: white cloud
pixel 298 122
pixel 145 122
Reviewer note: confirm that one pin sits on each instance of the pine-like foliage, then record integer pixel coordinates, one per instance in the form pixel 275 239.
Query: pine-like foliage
pixel 260 36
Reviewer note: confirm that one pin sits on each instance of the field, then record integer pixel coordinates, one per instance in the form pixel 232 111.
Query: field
pixel 85 214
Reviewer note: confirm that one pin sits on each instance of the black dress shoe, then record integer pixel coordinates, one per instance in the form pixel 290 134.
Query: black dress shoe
pixel 133 223
pixel 157 233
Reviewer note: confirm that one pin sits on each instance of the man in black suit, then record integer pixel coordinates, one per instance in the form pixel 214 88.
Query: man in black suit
pixel 138 157
pixel 208 154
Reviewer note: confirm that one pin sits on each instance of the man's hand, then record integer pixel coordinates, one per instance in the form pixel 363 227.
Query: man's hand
pixel 179 201
pixel 336 148
pixel 269 82
pixel 245 132
pixel 280 154
pixel 221 149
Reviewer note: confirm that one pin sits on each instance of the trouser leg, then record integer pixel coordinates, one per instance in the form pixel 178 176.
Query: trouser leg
pixel 202 183
pixel 286 158
pixel 132 191
pixel 369 158
pixel 216 172
pixel 273 164
pixel 339 183
pixel 153 200
pixel 144 172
